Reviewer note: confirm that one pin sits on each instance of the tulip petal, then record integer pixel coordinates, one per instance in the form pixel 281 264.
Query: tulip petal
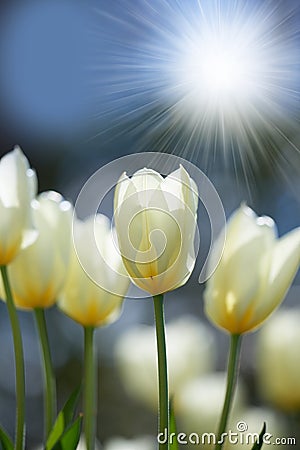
pixel 146 181
pixel 180 185
pixel 10 233
pixel 121 189
pixel 12 166
pixel 244 226
pixel 285 261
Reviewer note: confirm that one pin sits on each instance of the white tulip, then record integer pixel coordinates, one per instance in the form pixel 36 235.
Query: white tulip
pixel 191 352
pixel 38 272
pixel 18 186
pixel 254 274
pixel 156 221
pixel 82 299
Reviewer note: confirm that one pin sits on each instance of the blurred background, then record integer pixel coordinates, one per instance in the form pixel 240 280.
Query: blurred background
pixel 215 82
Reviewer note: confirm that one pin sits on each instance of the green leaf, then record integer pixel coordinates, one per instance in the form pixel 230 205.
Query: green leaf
pixel 173 429
pixel 69 440
pixel 5 441
pixel 64 419
pixel 258 445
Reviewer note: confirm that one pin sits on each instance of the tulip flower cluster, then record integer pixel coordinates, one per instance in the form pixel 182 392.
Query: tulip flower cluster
pixel 40 268
pixel 152 246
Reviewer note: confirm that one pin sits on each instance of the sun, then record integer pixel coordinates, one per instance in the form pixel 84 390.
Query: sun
pixel 216 72
pixel 206 79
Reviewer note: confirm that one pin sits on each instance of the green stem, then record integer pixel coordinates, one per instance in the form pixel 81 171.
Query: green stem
pixel 19 361
pixel 49 377
pixel 162 370
pixel 90 388
pixel 232 375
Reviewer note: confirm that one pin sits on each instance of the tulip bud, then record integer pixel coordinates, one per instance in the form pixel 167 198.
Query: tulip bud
pixel 156 221
pixel 18 185
pixel 38 272
pixel 82 299
pixel 254 273
pixel 278 361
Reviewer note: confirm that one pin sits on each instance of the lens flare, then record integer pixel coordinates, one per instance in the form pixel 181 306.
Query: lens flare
pixel 218 73
pixel 203 78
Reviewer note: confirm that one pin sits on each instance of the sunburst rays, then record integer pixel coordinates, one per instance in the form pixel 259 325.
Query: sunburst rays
pixel 205 80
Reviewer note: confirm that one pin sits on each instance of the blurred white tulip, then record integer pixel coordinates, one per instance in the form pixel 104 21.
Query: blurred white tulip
pixel 254 418
pixel 191 352
pixel 81 445
pixel 139 443
pixel 199 403
pixel 278 360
